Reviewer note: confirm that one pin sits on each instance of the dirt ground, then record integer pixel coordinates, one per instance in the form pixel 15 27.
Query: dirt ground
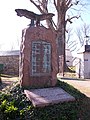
pixel 7 81
pixel 83 85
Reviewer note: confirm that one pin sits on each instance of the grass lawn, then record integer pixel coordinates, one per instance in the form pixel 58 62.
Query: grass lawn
pixel 81 99
pixel 15 106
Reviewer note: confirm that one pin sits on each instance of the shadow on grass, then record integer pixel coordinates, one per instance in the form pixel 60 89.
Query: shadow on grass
pixel 75 110
pixel 3 85
pixel 85 109
pixel 82 100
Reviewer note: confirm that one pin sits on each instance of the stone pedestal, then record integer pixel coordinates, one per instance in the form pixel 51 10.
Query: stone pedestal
pixel 38 57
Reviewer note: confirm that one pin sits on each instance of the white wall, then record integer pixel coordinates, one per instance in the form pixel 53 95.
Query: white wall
pixel 79 64
pixel 87 65
pixel 83 65
pixel 69 57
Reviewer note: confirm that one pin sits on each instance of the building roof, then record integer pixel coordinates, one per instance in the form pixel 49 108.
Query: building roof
pixel 9 53
pixel 83 49
pixel 17 52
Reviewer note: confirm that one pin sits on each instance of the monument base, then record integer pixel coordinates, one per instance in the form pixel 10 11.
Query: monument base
pixel 48 96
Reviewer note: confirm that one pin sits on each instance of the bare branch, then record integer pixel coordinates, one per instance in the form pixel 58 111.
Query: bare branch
pixel 55 4
pixel 44 6
pixel 54 24
pixel 43 9
pixel 83 34
pixel 68 35
pixel 69 3
pixel 69 19
pixel 76 2
pixel 69 6
pixel 38 6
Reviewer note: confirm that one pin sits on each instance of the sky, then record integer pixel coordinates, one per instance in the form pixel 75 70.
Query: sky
pixel 11 25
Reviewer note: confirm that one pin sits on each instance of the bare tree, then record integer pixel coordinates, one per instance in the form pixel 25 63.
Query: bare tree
pixel 71 43
pixel 83 34
pixel 61 6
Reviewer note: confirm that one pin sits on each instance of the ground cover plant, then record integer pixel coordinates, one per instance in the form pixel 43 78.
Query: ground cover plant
pixel 15 106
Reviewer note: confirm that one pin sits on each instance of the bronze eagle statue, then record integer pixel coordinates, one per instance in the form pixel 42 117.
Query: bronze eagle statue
pixel 33 16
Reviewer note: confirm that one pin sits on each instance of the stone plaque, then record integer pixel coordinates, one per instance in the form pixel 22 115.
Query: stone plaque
pixel 41 58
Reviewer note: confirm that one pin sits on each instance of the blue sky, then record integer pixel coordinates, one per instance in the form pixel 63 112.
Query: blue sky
pixel 11 25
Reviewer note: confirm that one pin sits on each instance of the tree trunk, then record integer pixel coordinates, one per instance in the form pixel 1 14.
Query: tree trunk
pixel 61 38
pixel 61 7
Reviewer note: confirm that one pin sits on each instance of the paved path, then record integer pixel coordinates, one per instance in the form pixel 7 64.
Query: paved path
pixel 82 85
pixel 7 81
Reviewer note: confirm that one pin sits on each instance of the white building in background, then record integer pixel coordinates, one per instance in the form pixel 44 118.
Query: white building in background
pixel 83 63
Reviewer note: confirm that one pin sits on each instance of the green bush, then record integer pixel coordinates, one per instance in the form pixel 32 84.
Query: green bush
pixel 15 106
pixel 8 109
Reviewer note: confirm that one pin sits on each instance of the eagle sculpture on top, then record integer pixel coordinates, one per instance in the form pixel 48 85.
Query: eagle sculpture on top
pixel 33 16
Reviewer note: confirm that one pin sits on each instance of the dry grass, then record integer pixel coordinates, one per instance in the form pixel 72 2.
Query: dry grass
pixel 7 82
pixel 71 75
